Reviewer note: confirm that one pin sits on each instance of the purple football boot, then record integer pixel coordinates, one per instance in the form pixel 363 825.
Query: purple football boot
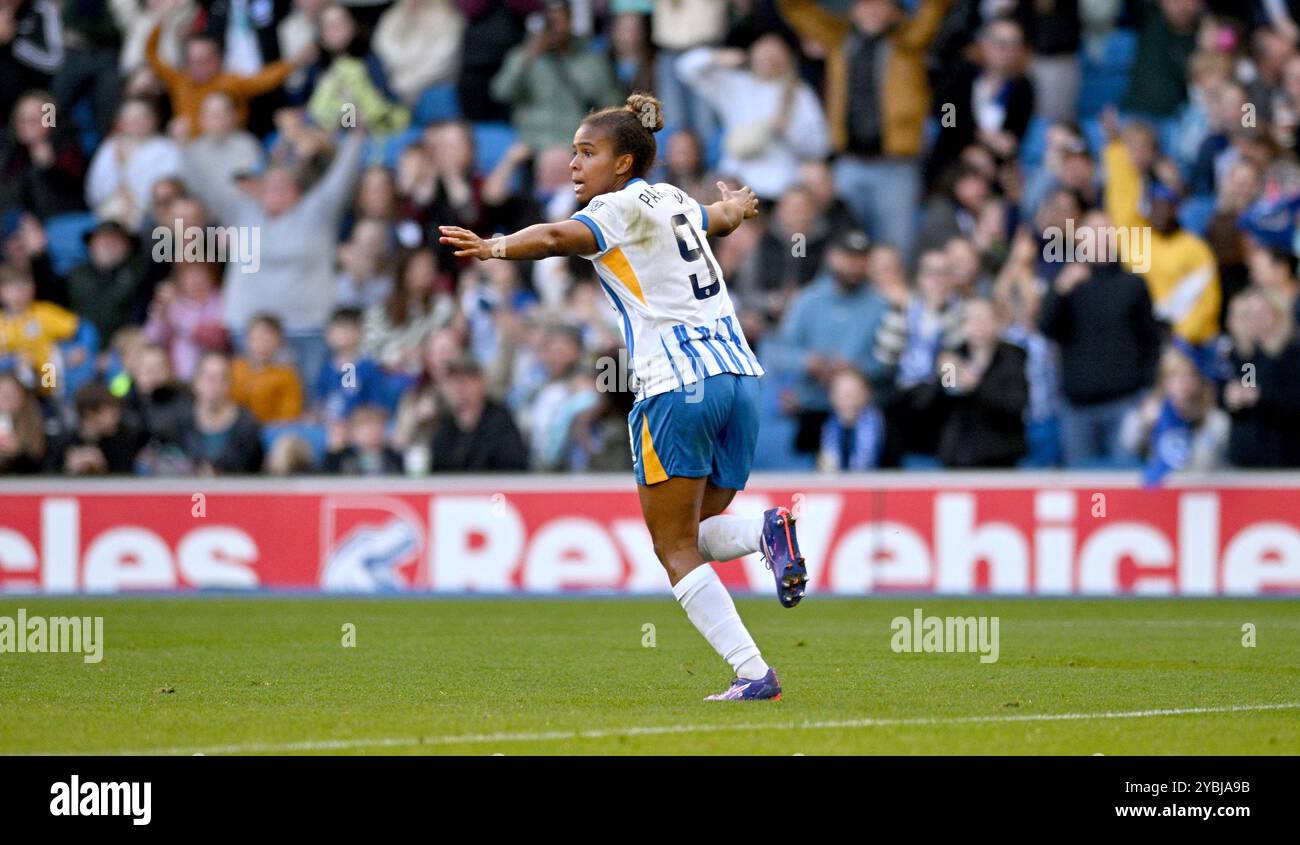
pixel 780 547
pixel 765 688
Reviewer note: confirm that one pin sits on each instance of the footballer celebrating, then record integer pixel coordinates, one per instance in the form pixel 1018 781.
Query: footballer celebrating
pixel 694 425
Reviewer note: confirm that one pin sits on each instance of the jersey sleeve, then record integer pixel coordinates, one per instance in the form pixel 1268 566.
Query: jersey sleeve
pixel 609 217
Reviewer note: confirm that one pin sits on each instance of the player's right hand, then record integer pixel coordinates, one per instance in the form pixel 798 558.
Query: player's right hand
pixel 467 244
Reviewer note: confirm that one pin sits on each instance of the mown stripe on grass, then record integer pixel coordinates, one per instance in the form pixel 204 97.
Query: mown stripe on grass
pixel 658 730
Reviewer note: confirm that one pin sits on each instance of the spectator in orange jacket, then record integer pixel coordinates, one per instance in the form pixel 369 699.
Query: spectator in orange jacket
pixel 259 382
pixel 202 75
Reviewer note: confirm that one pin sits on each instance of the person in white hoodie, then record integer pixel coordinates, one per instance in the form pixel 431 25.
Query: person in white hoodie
pixel 126 166
pixel 772 120
pixel 419 43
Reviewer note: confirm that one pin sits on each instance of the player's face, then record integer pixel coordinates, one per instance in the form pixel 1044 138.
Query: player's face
pixel 594 167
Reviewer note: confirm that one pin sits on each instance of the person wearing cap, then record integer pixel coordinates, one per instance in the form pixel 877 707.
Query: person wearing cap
pixel 1181 272
pixel 829 326
pixel 474 433
pixel 107 289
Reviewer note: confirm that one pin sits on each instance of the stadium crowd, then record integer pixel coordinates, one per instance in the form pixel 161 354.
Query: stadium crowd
pixel 219 224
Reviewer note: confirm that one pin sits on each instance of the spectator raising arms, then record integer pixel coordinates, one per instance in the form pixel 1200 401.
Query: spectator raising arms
pixel 203 74
pixel 877 96
pixel 296 228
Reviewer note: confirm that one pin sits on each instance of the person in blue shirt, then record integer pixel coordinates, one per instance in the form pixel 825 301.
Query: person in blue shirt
pixel 348 381
pixel 830 326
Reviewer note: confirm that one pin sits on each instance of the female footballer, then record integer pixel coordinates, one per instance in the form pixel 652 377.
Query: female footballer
pixel 695 422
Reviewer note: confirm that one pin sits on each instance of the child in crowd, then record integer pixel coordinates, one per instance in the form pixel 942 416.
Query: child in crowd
pixel 260 381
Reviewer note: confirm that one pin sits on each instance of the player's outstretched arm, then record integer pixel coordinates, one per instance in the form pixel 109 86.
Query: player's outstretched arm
pixel 568 237
pixel 735 207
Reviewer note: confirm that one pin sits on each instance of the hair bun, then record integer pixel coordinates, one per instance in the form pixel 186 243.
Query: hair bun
pixel 648 110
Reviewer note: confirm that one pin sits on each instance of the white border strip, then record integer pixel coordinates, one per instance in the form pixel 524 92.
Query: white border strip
pixel 662 730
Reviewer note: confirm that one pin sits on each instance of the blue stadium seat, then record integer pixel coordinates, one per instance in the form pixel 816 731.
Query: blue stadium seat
pixel 436 103
pixel 83 118
pixel 313 433
pixel 1093 134
pixel 491 141
pixel 776 431
pixel 64 233
pixel 919 462
pixel 86 340
pixel 1034 146
pixel 1195 213
pixel 713 149
pixel 388 149
pixel 1107 65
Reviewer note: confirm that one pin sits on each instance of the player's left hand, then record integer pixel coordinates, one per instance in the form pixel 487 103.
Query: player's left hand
pixel 745 196
pixel 467 244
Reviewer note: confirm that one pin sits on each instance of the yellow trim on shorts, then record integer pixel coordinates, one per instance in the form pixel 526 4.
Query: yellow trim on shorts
pixel 654 470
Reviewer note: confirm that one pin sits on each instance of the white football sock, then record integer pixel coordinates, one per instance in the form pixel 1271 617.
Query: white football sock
pixel 709 607
pixel 729 537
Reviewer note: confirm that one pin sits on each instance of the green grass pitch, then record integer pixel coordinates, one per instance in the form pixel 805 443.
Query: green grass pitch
pixel 572 676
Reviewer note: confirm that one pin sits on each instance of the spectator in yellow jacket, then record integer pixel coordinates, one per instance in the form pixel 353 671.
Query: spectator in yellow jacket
pixel 30 329
pixel 1180 271
pixel 877 97
pixel 271 390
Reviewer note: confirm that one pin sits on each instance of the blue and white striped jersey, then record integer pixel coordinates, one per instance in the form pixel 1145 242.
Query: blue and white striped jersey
pixel 656 267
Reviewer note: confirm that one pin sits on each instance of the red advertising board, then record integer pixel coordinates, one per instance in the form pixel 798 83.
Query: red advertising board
pixel 1011 534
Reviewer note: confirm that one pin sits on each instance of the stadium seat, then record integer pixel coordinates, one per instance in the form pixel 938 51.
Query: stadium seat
pixel 388 148
pixel 918 462
pixel 776 431
pixel 1034 146
pixel 1195 213
pixel 313 433
pixel 713 149
pixel 438 102
pixel 491 141
pixel 83 117
pixel 86 341
pixel 65 232
pixel 1107 64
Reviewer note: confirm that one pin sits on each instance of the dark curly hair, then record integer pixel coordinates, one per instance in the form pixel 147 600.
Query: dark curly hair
pixel 633 126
